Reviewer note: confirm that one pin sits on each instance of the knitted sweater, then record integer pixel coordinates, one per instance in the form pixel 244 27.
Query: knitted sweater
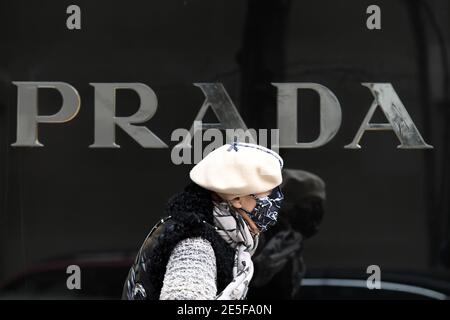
pixel 191 272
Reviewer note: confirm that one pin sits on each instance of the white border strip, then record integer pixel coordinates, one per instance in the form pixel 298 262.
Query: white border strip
pixel 384 286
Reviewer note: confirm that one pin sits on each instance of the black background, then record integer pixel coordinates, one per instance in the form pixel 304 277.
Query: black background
pixel 384 206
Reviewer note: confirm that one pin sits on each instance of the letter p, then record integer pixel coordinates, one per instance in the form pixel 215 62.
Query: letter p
pixel 27 110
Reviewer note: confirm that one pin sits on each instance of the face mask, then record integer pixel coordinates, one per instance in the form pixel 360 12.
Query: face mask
pixel 265 213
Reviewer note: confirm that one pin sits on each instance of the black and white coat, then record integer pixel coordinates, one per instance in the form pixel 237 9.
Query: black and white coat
pixel 188 229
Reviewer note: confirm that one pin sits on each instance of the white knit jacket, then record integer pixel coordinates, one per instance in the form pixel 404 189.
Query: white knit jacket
pixel 191 272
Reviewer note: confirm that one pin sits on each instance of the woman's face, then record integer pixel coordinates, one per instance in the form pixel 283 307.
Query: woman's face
pixel 248 203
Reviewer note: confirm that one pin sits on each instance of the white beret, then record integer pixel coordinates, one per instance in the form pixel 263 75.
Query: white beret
pixel 239 169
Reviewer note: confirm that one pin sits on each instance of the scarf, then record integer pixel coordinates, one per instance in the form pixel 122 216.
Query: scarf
pixel 234 230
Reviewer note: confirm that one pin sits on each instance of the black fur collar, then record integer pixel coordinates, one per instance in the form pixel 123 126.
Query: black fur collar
pixel 189 209
pixel 194 203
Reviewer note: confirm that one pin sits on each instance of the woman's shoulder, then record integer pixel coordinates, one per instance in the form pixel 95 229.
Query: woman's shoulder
pixel 194 254
pixel 194 245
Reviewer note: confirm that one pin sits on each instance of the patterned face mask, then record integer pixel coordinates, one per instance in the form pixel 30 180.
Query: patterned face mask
pixel 265 213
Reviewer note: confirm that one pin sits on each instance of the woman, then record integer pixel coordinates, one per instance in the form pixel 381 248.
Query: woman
pixel 203 248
